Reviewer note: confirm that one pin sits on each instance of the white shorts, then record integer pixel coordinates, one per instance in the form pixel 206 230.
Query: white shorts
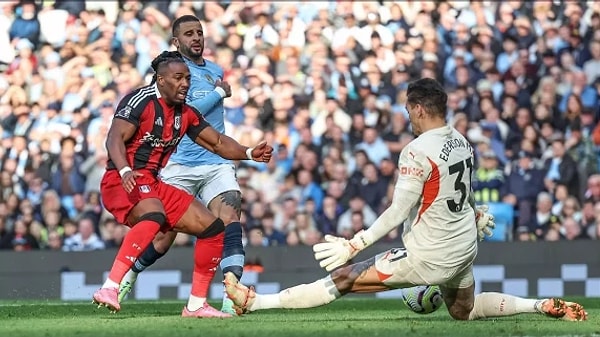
pixel 397 268
pixel 205 182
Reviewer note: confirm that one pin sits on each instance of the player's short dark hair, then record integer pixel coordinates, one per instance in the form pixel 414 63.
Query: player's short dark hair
pixel 165 58
pixel 182 19
pixel 429 94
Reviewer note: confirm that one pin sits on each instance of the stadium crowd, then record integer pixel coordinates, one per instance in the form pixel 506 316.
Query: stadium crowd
pixel 325 83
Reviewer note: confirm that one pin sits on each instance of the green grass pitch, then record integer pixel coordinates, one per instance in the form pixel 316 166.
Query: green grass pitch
pixel 346 317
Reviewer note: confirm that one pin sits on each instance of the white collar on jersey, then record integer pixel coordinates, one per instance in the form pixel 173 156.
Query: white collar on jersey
pixel 156 90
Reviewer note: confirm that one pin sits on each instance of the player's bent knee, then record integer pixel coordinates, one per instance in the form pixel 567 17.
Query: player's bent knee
pixel 213 229
pixel 163 241
pixel 228 206
pixel 158 217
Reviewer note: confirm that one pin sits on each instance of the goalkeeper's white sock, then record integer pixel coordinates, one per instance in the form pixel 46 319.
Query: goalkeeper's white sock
pixel 311 295
pixel 499 304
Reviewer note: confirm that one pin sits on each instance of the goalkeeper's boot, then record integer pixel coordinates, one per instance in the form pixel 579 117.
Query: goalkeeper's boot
pixel 558 308
pixel 126 286
pixel 107 297
pixel 242 296
pixel 205 312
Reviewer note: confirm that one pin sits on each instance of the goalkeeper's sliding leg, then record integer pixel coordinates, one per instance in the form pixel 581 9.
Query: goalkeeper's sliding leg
pixel 373 275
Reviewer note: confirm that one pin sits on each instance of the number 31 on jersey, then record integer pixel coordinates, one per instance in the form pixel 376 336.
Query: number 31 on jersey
pixel 460 183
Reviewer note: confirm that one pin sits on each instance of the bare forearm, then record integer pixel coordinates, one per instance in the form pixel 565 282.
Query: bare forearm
pixel 228 148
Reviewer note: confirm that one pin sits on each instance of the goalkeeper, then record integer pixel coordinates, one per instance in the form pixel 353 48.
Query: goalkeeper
pixel 432 194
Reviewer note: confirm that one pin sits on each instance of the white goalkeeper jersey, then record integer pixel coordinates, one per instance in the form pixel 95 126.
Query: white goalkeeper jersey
pixel 440 228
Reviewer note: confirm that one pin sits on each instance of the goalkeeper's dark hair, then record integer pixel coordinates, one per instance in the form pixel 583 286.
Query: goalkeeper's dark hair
pixel 165 58
pixel 429 94
pixel 180 20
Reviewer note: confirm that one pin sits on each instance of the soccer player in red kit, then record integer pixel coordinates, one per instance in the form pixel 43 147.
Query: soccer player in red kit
pixel 146 129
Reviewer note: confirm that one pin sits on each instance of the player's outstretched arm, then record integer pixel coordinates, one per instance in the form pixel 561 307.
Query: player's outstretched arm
pixel 335 251
pixel 229 148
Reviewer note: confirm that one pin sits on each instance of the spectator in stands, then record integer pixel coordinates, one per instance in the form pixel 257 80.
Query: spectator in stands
pixel 357 203
pixel 85 239
pixel 256 238
pixel 274 237
pixel 562 169
pixel 55 241
pixel 374 146
pixel 571 209
pixel 522 185
pixel 488 179
pixel 372 188
pixel 19 239
pixel 571 229
pixel 26 24
pixel 327 219
pixel 540 224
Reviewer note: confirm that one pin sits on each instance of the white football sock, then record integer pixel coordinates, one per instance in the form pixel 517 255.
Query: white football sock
pixel 110 284
pixel 194 302
pixel 498 304
pixel 311 295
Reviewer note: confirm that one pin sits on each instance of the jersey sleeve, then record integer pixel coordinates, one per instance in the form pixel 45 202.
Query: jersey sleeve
pixel 414 168
pixel 196 123
pixel 130 108
pixel 207 102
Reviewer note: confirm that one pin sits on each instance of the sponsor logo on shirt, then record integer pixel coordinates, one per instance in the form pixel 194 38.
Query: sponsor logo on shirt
pixel 411 171
pixel 157 142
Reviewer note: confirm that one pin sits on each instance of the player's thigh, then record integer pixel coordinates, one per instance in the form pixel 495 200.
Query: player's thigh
pixel 387 270
pixel 459 293
pixel 163 241
pixel 195 219
pixel 397 268
pixel 183 177
pixel 145 206
pixel 221 192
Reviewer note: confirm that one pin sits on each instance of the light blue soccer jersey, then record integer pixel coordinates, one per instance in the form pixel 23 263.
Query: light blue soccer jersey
pixel 202 96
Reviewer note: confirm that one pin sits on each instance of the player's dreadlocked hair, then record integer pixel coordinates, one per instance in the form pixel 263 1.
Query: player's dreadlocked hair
pixel 165 58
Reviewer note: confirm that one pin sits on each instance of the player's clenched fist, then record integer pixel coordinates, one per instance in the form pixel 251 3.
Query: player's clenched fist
pixel 261 152
pixel 225 86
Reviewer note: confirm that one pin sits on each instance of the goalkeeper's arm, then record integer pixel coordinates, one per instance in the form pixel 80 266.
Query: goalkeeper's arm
pixel 402 202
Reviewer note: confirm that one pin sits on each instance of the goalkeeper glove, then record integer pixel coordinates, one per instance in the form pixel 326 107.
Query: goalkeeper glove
pixel 485 222
pixel 336 251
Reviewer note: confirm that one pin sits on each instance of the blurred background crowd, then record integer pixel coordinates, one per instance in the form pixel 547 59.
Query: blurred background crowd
pixel 325 83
